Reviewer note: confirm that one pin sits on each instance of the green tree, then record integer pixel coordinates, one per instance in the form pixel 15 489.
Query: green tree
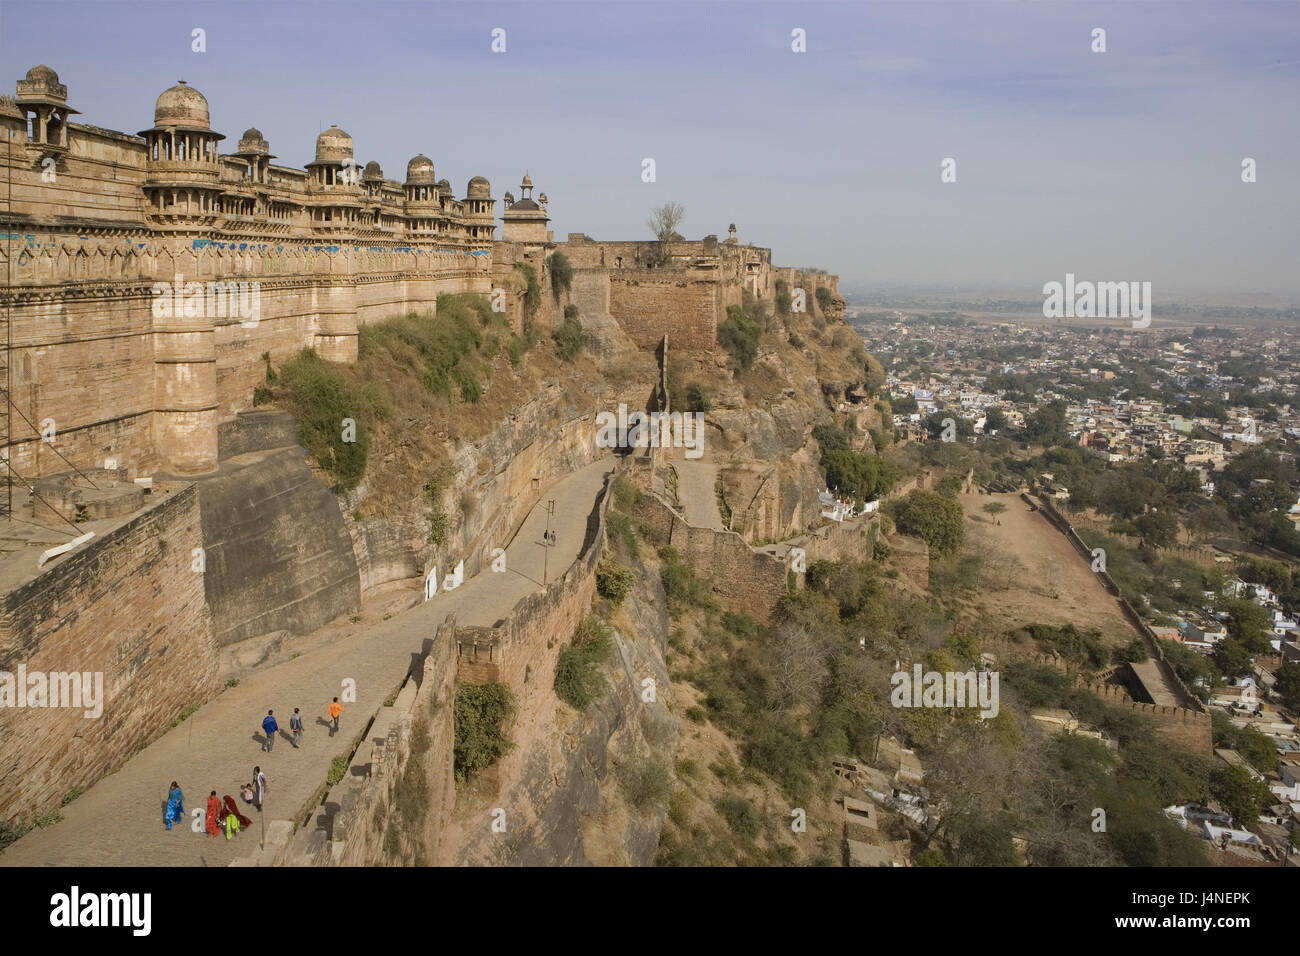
pixel 1046 425
pixel 932 518
pixel 982 842
pixel 1288 684
pixel 1231 658
pixel 480 711
pixel 1239 793
pixel 1158 528
pixel 1248 624
pixel 863 477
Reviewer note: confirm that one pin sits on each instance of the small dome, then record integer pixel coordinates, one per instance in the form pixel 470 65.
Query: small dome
pixel 444 187
pixel 333 146
pixel 528 180
pixel 182 105
pixel 509 198
pixel 42 74
pixel 479 188
pixel 372 172
pixel 253 142
pixel 419 171
pixel 541 198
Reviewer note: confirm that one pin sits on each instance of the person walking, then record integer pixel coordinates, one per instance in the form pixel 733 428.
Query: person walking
pixel 259 787
pixel 334 710
pixel 269 726
pixel 295 724
pixel 175 805
pixel 213 825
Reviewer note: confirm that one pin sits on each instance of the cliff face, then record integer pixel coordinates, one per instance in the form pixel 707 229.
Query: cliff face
pixel 491 490
pixel 576 801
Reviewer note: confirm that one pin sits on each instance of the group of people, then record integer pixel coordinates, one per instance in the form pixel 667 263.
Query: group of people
pixel 270 726
pixel 223 814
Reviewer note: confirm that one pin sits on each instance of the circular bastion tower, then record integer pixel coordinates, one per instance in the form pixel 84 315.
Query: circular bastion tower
pixel 182 186
pixel 480 214
pixel 336 206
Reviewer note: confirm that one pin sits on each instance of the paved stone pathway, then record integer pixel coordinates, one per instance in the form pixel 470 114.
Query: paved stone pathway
pixel 118 821
pixel 697 491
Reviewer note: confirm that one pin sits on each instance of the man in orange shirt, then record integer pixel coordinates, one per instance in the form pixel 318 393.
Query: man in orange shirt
pixel 334 710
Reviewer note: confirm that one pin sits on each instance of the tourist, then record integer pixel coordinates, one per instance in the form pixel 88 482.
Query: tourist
pixel 259 787
pixel 269 726
pixel 334 710
pixel 213 825
pixel 295 724
pixel 175 805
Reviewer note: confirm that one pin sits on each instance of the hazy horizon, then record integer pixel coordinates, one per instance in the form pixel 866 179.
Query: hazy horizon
pixel 1122 165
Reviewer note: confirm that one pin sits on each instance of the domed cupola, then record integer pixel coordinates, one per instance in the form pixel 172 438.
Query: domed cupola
pixel 43 102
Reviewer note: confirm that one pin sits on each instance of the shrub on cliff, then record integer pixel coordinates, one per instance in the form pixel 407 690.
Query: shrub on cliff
pixel 646 782
pixel 697 398
pixel 435 490
pixel 823 297
pixel 680 584
pixel 577 680
pixel 739 335
pixel 532 291
pixel 480 712
pixel 569 337
pixel 626 494
pixel 614 581
pixel 321 398
pixel 561 274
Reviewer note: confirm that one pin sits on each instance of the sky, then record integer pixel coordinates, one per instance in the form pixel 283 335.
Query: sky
pixel 1117 166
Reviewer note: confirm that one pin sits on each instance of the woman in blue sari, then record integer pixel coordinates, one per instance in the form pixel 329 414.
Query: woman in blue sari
pixel 175 805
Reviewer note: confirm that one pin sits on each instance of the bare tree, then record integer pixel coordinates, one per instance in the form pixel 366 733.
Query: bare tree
pixel 663 222
pixel 798 664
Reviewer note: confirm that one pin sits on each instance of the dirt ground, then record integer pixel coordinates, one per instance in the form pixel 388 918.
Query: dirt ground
pixel 1032 575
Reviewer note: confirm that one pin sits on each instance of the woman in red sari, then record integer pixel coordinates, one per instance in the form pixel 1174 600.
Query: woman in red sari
pixel 214 811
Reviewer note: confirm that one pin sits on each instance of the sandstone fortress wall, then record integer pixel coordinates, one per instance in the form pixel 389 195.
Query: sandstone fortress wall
pixel 115 345
pixel 129 607
pixel 96 218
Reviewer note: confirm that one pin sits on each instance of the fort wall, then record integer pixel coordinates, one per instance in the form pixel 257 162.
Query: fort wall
pixel 522 650
pixel 751 580
pixel 1187 730
pixel 278 555
pixel 126 604
pixel 1153 643
pixel 397 809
